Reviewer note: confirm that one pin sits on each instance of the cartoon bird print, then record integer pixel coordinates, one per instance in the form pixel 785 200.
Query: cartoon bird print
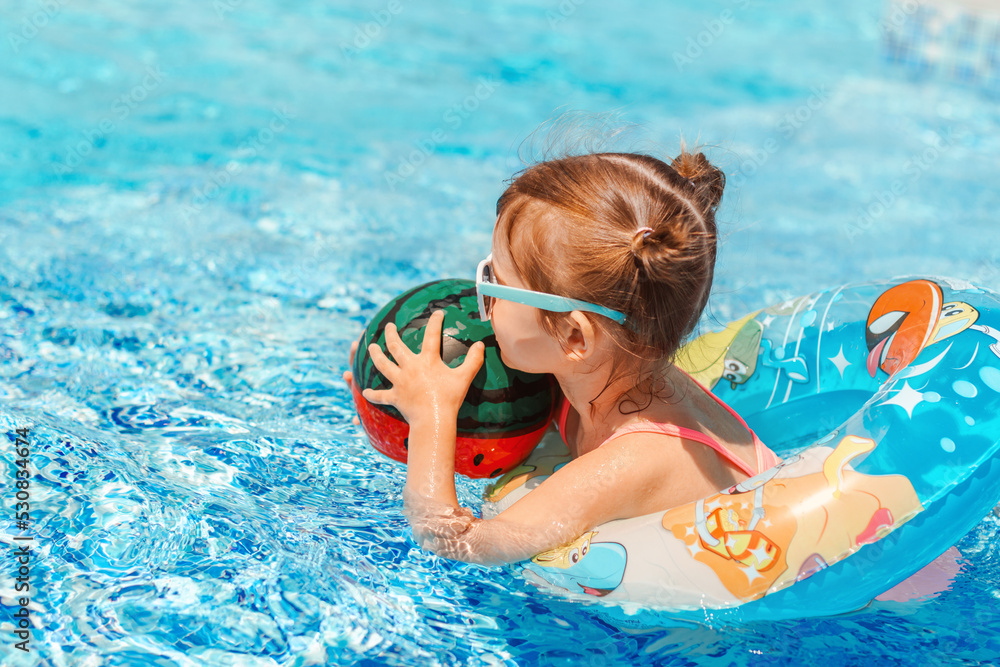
pixel 900 324
pixel 909 317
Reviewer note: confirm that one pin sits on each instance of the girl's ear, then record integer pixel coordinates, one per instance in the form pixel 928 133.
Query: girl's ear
pixel 579 335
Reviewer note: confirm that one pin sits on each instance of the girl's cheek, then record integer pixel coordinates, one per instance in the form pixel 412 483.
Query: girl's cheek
pixel 510 332
pixel 496 321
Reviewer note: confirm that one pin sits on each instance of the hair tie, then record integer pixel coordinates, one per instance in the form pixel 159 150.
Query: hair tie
pixel 645 231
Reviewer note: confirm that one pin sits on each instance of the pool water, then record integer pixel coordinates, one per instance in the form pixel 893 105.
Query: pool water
pixel 201 204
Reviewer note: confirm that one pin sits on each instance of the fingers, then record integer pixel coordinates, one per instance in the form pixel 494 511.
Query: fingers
pixel 475 355
pixel 376 395
pixel 473 360
pixel 348 375
pixel 349 378
pixel 382 362
pixel 432 334
pixel 397 348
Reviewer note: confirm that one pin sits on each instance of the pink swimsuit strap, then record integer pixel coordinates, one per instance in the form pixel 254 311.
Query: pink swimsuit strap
pixel 765 457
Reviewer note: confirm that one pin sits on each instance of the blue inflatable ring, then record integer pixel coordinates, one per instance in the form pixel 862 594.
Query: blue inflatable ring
pixel 883 400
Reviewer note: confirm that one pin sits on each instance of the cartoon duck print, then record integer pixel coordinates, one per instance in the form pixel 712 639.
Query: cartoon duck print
pixel 911 316
pixel 730 354
pixel 594 568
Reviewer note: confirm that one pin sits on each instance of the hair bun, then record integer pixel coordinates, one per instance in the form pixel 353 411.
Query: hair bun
pixel 708 181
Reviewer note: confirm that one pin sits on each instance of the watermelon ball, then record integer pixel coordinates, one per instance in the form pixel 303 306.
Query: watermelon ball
pixel 504 414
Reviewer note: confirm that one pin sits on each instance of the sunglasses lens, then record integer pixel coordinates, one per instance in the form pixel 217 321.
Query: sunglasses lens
pixel 485 304
pixel 488 300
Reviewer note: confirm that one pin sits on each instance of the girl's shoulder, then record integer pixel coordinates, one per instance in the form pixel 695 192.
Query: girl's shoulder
pixel 629 477
pixel 653 471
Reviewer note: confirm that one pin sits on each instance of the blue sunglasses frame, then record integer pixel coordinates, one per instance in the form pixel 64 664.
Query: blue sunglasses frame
pixel 485 287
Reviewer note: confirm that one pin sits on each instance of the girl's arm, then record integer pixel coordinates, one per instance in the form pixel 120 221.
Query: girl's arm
pixel 584 493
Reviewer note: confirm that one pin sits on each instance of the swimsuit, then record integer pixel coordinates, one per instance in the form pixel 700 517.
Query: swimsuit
pixel 765 457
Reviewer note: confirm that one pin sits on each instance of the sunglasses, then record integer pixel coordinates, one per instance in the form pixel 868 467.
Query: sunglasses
pixel 487 289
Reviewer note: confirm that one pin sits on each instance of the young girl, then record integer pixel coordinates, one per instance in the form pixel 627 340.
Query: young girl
pixel 616 252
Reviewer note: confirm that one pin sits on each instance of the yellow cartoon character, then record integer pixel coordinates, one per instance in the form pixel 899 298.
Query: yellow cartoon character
pixel 594 568
pixel 730 354
pixel 566 556
pixel 955 317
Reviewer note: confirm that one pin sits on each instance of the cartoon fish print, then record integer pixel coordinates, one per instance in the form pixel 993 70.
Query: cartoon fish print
pixel 594 568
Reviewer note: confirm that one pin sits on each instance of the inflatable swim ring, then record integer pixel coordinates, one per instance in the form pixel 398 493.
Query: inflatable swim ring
pixel 883 399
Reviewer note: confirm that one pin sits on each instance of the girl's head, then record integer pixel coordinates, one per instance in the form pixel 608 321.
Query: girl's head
pixel 621 230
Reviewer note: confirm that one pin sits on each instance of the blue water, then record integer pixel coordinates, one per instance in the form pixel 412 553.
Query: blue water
pixel 202 203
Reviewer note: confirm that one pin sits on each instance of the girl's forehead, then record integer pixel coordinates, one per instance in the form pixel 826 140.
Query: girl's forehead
pixel 531 229
pixel 505 273
pixel 528 239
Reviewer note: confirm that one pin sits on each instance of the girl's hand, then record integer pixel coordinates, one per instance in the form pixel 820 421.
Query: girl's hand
pixel 349 376
pixel 422 382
